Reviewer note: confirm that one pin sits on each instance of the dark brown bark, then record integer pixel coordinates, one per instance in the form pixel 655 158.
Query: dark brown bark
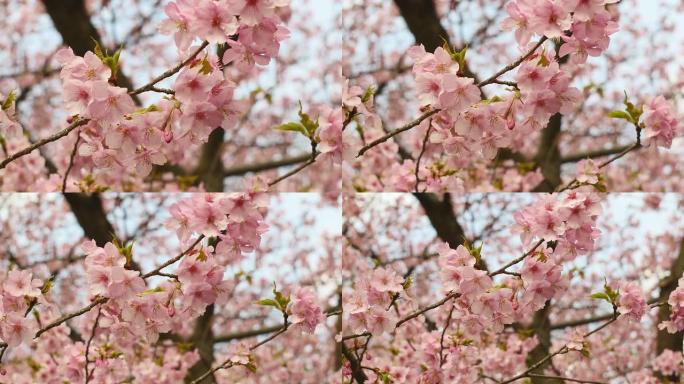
pixel 423 22
pixel 203 340
pixel 441 214
pixel 548 155
pixel 210 167
pixel 91 217
pixel 72 21
pixel 357 372
pixel 542 329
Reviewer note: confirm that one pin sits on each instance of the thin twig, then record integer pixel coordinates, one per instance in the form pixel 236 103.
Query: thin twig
pixel 312 159
pixel 574 183
pixel 150 86
pixel 422 152
pixel 516 261
pixel 397 131
pixel 173 260
pixel 563 349
pixel 71 161
pixel 40 143
pixel 228 363
pixel 442 358
pixel 101 299
pixel 564 379
pixel 90 340
pixel 513 65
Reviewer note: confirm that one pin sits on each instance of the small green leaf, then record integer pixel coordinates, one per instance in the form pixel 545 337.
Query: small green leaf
pixel 543 61
pixel 385 377
pixel 205 68
pixel 620 115
pixel 280 298
pixel 407 283
pixel 370 92
pixel 98 49
pixel 585 352
pixel 293 127
pixel 601 187
pixel 201 256
pixel 268 303
pixel 600 296
pixel 7 104
pixel 310 125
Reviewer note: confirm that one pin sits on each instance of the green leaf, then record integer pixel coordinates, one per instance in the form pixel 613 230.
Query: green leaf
pixel 268 303
pixel 601 187
pixel 201 256
pixel 370 92
pixel 585 352
pixel 205 68
pixel 280 298
pixel 633 112
pixel 601 296
pixel 310 125
pixel 98 49
pixel 621 115
pixel 385 377
pixel 48 284
pixel 407 283
pixel 7 104
pixel 293 127
pixel 543 61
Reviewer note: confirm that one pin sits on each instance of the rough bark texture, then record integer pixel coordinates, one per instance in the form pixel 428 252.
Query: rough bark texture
pixel 91 217
pixel 442 217
pixel 548 155
pixel 423 22
pixel 210 168
pixel 72 21
pixel 203 340
pixel 441 214
pixel 542 329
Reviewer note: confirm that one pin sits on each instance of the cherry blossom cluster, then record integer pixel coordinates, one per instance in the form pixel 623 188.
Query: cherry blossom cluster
pixel 304 311
pixel 368 307
pixel 26 171
pixel 19 292
pixel 135 312
pixel 660 123
pixel 468 127
pixel 588 172
pixel 236 219
pixel 676 302
pixel 568 220
pixel 119 136
pixel 329 134
pixel 482 306
pixel 669 363
pixel 632 301
pixel 584 25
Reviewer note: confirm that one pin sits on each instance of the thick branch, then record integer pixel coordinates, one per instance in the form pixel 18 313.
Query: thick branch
pixel 91 217
pixel 72 21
